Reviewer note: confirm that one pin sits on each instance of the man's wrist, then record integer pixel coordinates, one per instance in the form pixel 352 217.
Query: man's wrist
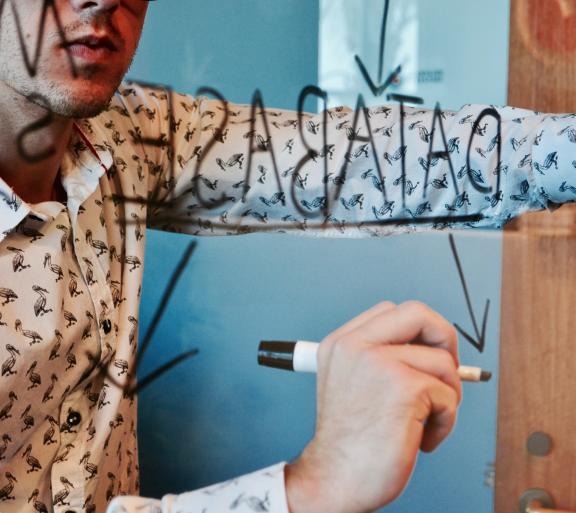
pixel 299 490
pixel 306 491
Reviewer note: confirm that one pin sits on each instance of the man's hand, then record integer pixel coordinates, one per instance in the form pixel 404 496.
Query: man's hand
pixel 379 400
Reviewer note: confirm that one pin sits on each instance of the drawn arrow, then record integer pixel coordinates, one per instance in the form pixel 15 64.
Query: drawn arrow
pixel 480 340
pixel 377 90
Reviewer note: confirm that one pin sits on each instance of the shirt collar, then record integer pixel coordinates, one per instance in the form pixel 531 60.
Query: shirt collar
pixel 88 157
pixel 12 209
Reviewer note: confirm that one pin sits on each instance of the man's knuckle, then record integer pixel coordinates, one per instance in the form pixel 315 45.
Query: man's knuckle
pixel 416 308
pixel 452 407
pixel 451 333
pixel 455 398
pixel 369 358
pixel 397 371
pixel 446 360
pixel 324 350
pixel 421 387
pixel 344 346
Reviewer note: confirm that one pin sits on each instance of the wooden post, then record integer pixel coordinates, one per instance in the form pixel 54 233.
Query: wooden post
pixel 537 390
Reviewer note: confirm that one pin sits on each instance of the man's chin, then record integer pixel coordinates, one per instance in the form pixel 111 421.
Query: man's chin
pixel 83 110
pixel 81 105
pixel 77 99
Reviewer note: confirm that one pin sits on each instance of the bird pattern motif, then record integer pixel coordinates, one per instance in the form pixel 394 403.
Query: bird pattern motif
pixel 259 492
pixel 70 275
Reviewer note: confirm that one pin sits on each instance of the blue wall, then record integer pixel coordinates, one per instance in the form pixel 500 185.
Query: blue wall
pixel 220 415
pixel 192 425
pixel 235 46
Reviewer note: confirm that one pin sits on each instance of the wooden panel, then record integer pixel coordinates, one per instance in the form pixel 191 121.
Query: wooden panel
pixel 538 318
pixel 537 371
pixel 543 55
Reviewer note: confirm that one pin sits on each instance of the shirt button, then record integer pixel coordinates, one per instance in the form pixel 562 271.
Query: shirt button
pixel 106 326
pixel 73 418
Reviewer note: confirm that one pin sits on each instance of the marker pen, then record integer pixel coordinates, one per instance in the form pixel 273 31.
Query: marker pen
pixel 300 356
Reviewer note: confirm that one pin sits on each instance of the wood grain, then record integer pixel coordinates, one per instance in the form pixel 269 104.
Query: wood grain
pixel 537 387
pixel 542 59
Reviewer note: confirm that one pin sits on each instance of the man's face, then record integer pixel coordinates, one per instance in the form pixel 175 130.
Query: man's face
pixel 101 38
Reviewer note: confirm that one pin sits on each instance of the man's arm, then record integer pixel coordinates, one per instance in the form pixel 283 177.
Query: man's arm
pixel 230 169
pixel 387 387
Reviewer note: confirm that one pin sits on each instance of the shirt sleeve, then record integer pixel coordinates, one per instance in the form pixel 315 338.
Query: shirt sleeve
pixel 259 491
pixel 221 168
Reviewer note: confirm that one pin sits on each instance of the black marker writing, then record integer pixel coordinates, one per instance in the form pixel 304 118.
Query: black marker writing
pixel 404 99
pixel 480 341
pixel 478 130
pixel 167 139
pixel 258 143
pixel 263 144
pixel 221 128
pixel 32 64
pixel 312 153
pixel 44 122
pixel 377 90
pixel 361 110
pixel 439 154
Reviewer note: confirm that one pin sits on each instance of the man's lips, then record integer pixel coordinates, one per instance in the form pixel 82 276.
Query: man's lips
pixel 93 41
pixel 91 48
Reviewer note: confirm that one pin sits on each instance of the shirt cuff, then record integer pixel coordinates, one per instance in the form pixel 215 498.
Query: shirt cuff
pixel 263 490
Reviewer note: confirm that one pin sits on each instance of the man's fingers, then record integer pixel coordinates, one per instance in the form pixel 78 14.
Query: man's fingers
pixel 352 324
pixel 430 360
pixel 433 404
pixel 385 332
pixel 409 322
pixel 444 407
pixel 341 333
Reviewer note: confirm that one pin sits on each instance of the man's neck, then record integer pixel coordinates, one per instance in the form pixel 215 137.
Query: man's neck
pixel 23 140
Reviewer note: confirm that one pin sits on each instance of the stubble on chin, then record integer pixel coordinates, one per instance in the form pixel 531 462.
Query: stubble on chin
pixel 65 101
pixel 66 90
pixel 80 102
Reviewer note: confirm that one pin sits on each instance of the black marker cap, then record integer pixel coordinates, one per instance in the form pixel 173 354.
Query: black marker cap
pixel 277 354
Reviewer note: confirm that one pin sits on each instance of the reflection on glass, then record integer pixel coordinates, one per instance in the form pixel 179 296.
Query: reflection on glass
pixel 451 51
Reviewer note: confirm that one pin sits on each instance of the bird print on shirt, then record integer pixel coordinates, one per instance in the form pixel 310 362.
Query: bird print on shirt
pixel 71 278
pixel 18 260
pixel 10 362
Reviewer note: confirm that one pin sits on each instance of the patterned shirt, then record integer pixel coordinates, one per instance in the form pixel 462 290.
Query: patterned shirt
pixel 70 275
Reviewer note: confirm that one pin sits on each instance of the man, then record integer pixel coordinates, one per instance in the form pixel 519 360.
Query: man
pixel 80 174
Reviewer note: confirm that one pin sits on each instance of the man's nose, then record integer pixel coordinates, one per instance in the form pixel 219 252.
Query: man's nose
pixel 95 5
